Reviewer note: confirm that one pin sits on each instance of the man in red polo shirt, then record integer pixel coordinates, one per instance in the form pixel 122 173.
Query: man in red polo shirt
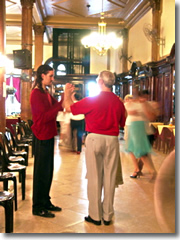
pixel 104 114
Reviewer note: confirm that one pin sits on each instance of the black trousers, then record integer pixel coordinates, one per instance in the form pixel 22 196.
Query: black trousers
pixel 43 172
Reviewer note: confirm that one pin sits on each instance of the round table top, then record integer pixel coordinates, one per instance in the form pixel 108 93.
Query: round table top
pixel 5 196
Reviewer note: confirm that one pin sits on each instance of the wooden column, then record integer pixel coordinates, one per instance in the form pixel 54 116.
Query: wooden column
pixel 27 6
pixel 2 68
pixel 125 50
pixel 39 32
pixel 156 24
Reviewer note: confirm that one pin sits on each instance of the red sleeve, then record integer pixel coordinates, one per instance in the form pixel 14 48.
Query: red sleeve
pixel 123 116
pixel 81 107
pixel 41 110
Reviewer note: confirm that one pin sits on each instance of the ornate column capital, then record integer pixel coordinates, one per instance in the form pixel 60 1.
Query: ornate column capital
pixel 27 3
pixel 124 32
pixel 156 4
pixel 39 29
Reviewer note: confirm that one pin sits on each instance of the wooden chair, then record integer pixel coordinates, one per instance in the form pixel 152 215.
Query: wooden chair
pixel 172 143
pixel 165 139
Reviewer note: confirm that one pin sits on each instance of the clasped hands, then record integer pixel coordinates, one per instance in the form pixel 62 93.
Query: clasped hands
pixel 69 89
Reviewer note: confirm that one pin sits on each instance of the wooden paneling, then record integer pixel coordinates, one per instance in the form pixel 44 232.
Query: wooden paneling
pixel 159 81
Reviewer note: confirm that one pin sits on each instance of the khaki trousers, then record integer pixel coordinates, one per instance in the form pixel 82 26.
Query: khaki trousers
pixel 102 156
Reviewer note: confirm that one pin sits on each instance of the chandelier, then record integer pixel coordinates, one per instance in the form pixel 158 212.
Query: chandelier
pixel 101 41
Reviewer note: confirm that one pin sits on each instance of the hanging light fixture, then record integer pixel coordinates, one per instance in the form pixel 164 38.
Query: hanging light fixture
pixel 101 41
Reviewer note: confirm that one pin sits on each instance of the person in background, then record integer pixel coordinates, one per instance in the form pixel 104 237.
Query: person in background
pixel 65 129
pixel 44 111
pixel 150 131
pixel 77 126
pixel 138 146
pixel 60 119
pixel 104 114
pixel 127 98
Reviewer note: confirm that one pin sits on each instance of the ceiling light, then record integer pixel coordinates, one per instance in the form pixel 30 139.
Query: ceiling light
pixel 101 41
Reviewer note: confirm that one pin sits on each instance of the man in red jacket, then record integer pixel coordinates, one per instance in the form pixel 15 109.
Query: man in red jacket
pixel 104 114
pixel 44 111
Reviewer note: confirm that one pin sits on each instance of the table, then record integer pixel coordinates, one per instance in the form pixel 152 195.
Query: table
pixel 156 124
pixel 174 131
pixel 170 127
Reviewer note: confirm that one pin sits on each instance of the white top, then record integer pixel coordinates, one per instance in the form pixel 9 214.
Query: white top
pixel 77 117
pixel 138 108
pixel 63 117
pixel 139 116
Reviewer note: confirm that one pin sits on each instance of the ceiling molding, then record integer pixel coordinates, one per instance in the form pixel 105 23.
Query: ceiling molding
pixel 66 11
pixel 37 13
pixel 119 5
pixel 70 14
pixel 138 14
pixel 80 22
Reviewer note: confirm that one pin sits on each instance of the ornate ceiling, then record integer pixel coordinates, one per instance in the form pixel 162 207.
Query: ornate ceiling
pixel 80 14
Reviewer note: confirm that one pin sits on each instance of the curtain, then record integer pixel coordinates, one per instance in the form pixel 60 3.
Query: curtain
pixel 8 81
pixel 17 85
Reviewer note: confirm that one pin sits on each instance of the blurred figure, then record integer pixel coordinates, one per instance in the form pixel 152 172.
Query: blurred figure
pixel 65 130
pixel 77 127
pixel 63 118
pixel 104 114
pixel 138 146
pixel 127 98
pixel 151 132
pixel 60 119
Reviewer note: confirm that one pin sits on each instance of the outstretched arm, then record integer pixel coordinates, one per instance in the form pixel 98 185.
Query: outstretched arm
pixel 69 89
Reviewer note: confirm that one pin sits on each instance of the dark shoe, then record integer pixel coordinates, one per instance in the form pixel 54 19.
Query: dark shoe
pixel 53 208
pixel 135 175
pixel 43 213
pixel 106 222
pixel 89 219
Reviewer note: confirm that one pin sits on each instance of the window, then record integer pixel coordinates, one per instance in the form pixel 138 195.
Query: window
pixel 61 70
pixel 69 55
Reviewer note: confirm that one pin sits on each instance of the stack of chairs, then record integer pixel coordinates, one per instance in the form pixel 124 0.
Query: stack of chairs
pixel 14 153
pixel 23 134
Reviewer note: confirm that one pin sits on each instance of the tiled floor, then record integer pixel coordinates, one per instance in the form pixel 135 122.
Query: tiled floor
pixel 134 200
